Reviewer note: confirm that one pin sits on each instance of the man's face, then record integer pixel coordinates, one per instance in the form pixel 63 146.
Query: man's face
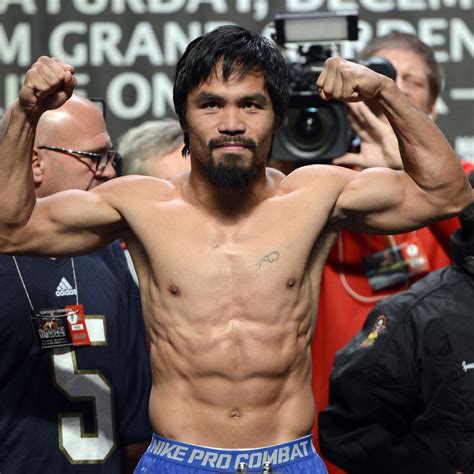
pixel 412 76
pixel 230 127
pixel 77 126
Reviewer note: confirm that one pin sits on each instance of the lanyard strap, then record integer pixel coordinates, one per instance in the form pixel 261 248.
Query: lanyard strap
pixel 26 290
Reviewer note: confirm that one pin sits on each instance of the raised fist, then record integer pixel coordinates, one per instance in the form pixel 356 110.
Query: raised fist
pixel 48 85
pixel 348 81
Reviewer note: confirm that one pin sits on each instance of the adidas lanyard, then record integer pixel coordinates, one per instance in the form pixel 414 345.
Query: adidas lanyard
pixel 26 290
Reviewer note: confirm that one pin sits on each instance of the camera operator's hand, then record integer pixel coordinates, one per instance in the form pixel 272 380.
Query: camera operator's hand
pixel 348 81
pixel 48 85
pixel 379 145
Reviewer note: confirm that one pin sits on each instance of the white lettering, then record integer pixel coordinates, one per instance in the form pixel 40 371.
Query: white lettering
pixel 241 458
pixel 255 460
pixel 179 453
pixel 224 461
pixel 437 4
pixel 78 56
pixel 412 5
pixel 177 40
pixel 378 5
pixel 210 458
pixel 104 39
pixel 115 95
pixel 143 43
pixel 386 26
pixel 28 6
pixel 338 5
pixel 18 49
pixel 296 6
pixel 197 454
pixel 162 94
pixel 218 6
pixel 426 33
pixel 165 6
pixel 88 7
pixel 136 6
pixel 283 454
pixel 460 36
pixel 53 6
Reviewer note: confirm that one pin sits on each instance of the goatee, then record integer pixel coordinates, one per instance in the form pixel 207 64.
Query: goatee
pixel 229 173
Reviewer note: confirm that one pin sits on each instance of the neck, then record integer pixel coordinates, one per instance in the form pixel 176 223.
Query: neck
pixel 228 203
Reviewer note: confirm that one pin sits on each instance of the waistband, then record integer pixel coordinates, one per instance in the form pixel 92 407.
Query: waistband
pixel 227 460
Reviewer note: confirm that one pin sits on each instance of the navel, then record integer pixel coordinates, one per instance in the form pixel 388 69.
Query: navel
pixel 235 413
pixel 174 290
pixel 291 282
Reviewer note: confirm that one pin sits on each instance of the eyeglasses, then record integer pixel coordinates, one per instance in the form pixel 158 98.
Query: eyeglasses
pixel 101 159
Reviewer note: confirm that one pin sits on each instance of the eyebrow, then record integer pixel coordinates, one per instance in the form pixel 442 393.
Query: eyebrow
pixel 205 96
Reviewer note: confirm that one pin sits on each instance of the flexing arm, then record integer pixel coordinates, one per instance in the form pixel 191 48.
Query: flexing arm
pixel 431 186
pixel 69 222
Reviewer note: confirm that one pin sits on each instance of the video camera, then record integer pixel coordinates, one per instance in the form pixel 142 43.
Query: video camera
pixel 316 130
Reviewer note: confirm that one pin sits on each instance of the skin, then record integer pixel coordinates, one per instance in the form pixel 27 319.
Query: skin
pixel 229 277
pixel 379 145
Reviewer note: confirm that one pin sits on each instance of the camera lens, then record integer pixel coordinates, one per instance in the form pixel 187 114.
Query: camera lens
pixel 311 128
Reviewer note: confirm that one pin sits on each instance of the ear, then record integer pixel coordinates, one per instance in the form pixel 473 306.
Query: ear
pixel 433 113
pixel 38 167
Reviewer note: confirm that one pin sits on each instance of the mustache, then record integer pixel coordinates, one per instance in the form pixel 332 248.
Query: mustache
pixel 227 140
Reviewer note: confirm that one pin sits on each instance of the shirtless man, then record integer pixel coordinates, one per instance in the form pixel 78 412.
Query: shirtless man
pixel 230 256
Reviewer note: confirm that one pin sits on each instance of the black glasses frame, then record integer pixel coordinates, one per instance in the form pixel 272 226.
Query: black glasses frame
pixel 101 159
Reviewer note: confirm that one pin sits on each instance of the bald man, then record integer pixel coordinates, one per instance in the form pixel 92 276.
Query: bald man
pixel 71 408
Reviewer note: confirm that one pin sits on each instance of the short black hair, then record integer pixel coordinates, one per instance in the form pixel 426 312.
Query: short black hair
pixel 242 53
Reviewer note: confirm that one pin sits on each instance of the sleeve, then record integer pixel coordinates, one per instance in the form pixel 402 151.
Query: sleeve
pixel 133 418
pixel 374 388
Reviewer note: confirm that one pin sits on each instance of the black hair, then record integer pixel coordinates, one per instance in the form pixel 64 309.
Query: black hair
pixel 241 53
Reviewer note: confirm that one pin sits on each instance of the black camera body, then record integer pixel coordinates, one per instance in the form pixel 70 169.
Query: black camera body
pixel 316 130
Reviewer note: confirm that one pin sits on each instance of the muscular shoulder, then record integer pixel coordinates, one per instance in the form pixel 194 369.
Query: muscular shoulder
pixel 329 179
pixel 126 187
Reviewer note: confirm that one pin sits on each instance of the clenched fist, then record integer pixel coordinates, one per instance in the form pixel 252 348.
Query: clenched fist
pixel 348 81
pixel 48 85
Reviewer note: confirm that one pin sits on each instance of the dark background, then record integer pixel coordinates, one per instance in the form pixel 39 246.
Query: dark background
pixel 125 50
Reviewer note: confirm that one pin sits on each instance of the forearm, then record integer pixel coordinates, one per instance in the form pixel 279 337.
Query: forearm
pixel 17 191
pixel 426 154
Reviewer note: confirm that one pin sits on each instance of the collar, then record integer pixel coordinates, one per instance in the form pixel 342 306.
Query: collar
pixel 462 251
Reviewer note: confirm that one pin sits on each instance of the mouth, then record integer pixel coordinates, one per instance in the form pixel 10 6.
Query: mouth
pixel 232 146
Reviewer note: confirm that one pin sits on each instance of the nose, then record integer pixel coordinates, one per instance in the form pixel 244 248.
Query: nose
pixel 231 122
pixel 108 172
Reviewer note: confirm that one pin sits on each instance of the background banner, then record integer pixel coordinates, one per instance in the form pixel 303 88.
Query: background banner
pixel 125 51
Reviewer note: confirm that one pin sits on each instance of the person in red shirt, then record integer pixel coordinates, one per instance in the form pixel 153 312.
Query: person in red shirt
pixel 363 269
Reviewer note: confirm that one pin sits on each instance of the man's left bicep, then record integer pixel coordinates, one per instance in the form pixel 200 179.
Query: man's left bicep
pixel 381 200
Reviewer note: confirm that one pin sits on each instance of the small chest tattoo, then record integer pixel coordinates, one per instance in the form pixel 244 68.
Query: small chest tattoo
pixel 269 258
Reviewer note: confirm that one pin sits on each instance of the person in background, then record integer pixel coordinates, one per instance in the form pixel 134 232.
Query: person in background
pixel 153 148
pixel 363 269
pixel 402 390
pixel 72 408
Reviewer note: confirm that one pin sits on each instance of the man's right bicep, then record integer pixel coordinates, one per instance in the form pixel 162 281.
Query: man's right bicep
pixel 66 223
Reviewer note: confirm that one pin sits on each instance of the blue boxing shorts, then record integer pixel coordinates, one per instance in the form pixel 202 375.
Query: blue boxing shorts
pixel 166 456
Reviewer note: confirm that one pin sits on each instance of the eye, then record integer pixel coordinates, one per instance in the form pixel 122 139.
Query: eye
pixel 251 105
pixel 211 105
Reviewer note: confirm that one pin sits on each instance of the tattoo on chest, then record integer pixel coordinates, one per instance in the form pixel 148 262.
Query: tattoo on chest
pixel 269 258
